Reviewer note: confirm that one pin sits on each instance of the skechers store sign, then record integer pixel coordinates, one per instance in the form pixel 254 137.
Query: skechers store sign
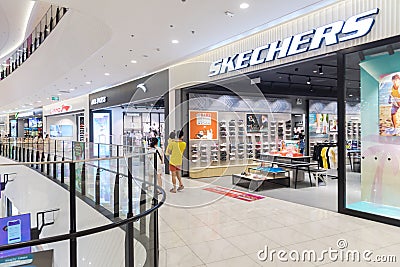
pixel 334 33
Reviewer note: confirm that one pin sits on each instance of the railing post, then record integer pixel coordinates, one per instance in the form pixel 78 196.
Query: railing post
pixel 116 188
pixel 19 153
pixel 37 158
pixel 62 171
pixel 62 165
pixel 42 165
pixel 83 179
pixel 97 186
pixel 48 164
pixel 32 159
pixel 129 253
pixel 23 152
pixel 55 160
pixel 72 213
pixel 155 216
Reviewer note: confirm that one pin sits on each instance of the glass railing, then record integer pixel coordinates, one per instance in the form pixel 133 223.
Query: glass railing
pixel 46 25
pixel 117 225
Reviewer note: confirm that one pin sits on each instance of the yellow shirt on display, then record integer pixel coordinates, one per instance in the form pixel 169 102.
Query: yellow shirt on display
pixel 175 150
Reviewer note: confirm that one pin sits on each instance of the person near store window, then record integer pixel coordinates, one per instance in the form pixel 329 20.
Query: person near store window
pixel 46 143
pixel 175 150
pixel 394 99
pixel 158 153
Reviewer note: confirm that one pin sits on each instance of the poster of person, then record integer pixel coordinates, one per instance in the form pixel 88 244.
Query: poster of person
pixel 78 149
pixel 389 103
pixel 203 125
pixel 333 126
pixel 318 125
pixel 252 123
pixel 263 122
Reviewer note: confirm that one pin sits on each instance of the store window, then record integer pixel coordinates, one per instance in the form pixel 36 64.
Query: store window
pixel 372 83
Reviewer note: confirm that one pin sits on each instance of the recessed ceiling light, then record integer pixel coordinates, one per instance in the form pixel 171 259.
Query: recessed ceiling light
pixel 133 61
pixel 107 74
pixel 175 41
pixel 39 101
pixel 48 98
pixel 58 94
pixel 72 89
pixel 89 82
pixel 244 5
pixel 350 95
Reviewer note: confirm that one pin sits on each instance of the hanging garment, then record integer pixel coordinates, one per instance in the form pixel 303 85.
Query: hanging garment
pixel 323 157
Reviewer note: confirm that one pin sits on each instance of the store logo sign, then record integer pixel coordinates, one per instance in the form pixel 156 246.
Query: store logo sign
pixel 99 100
pixel 62 109
pixel 340 31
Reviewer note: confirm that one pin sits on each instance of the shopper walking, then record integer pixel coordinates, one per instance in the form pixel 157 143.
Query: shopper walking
pixel 175 150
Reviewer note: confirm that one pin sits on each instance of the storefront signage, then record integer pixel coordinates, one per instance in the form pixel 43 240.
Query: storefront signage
pixel 26 114
pixel 55 98
pixel 98 100
pixel 62 109
pixel 340 31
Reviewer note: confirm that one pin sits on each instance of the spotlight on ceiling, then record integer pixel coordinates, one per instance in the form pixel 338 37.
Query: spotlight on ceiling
pixel 309 80
pixel 229 14
pixel 390 49
pixel 320 70
pixel 142 86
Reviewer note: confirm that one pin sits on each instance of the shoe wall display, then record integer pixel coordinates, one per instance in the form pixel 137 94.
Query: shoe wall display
pixel 236 146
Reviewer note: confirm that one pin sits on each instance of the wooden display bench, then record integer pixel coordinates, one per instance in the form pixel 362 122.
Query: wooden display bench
pixel 220 170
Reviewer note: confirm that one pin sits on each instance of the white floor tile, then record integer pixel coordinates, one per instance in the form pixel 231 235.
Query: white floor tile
pixel 261 223
pixel 286 236
pixel 217 250
pixel 230 229
pixel 170 240
pixel 252 243
pixel 180 256
pixel 315 229
pixel 198 235
pixel 214 217
pixel 243 261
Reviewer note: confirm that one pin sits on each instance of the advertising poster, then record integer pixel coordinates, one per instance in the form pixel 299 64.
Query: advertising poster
pixel 101 133
pixel 318 125
pixel 15 229
pixel 203 125
pixel 78 149
pixel 13 128
pixel 257 123
pixel 389 103
pixel 333 126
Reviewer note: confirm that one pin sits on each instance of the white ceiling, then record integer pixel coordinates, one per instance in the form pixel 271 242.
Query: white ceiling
pixel 98 36
pixel 14 16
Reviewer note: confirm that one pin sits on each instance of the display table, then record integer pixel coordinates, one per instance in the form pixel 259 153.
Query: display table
pixel 275 157
pixel 294 165
pixel 255 183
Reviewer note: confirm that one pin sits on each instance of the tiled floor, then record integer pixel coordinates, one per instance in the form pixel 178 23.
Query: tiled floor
pixel 201 228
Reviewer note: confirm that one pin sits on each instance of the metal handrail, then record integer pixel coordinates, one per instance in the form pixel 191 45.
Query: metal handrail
pixel 87 232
